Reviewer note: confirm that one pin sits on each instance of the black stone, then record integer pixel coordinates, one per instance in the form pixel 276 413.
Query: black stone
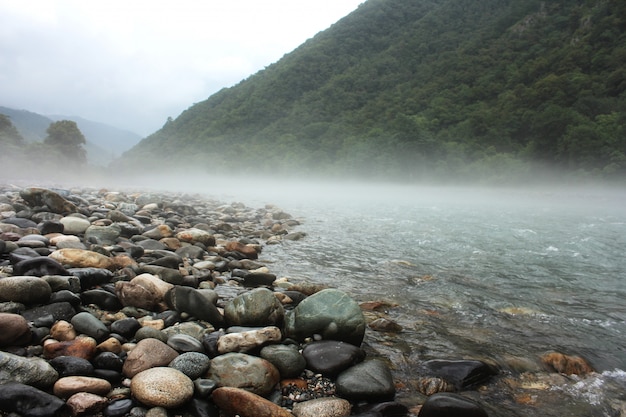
pixel 20 222
pixel 28 401
pixel 108 374
pixel 65 296
pixel 209 342
pixel 60 311
pixel 22 254
pixel 259 278
pixel 50 226
pixel 386 409
pixel 38 267
pixel 118 408
pixel 330 357
pixel 450 405
pixel 170 261
pixel 101 298
pixel 200 408
pixel 461 373
pixel 108 360
pixel 72 366
pixel 126 327
pixel 91 277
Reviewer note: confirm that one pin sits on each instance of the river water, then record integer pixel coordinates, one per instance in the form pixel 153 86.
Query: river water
pixel 501 275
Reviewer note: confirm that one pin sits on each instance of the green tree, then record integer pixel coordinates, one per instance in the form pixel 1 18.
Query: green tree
pixel 65 137
pixel 9 136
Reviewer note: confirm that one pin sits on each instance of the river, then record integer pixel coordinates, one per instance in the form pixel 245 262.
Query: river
pixel 501 275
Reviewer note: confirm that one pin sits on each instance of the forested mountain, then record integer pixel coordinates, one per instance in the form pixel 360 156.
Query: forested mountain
pixel 413 88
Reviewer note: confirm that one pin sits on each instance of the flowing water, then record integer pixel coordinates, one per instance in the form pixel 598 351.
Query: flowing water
pixel 498 275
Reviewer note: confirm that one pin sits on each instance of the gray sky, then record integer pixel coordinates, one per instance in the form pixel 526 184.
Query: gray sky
pixel 133 63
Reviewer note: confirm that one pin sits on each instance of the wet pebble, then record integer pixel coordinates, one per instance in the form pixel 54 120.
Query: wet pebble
pixel 162 387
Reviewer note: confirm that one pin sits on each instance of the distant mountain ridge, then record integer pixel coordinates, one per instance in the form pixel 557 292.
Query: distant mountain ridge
pixel 407 88
pixel 104 142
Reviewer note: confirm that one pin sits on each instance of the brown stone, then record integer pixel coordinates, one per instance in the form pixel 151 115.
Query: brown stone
pixel 148 353
pixel 63 331
pixel 248 250
pixel 144 291
pixel 565 364
pixel 323 407
pixel 81 258
pixel 246 404
pixel 81 347
pixel 86 404
pixel 14 330
pixel 110 345
pixel 162 387
pixel 70 385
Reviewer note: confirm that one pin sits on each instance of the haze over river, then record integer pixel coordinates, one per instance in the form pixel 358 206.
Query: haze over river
pixel 502 275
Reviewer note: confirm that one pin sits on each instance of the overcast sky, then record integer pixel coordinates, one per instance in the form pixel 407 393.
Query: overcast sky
pixel 133 63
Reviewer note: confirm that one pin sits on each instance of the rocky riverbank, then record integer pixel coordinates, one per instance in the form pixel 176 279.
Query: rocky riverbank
pixel 154 304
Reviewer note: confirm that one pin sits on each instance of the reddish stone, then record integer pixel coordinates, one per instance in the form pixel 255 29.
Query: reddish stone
pixel 565 364
pixel 237 401
pixel 81 347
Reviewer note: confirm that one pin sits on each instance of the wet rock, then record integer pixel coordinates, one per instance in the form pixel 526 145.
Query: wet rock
pixel 236 401
pixel 169 275
pixel 101 298
pixel 385 325
pixel 247 251
pixel 197 303
pixel 331 313
pixel 31 371
pixel 72 366
pixel 84 404
pixel 88 324
pixel 119 408
pixel 159 232
pixel 185 343
pixel 58 310
pixel 258 307
pixel 25 290
pixel 370 380
pixel 162 387
pixel 81 347
pixel 323 407
pixel 103 235
pixel 248 340
pixel 460 373
pixel 194 235
pixel 450 405
pixel 67 386
pixel 35 196
pixel 79 258
pixel 240 370
pixel 126 327
pixel 38 267
pixel 286 358
pixel 331 357
pixel 144 291
pixel 63 331
pixel 28 401
pixel 148 353
pixel 108 360
pixel 566 364
pixel 14 330
pixel 192 364
pixel 73 225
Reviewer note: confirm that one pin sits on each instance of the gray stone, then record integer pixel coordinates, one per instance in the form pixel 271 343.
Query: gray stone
pixel 184 343
pixel 197 303
pixel 258 307
pixel 240 370
pixel 248 340
pixel 370 380
pixel 323 407
pixel 103 235
pixel 286 358
pixel 28 401
pixel 73 225
pixel 330 357
pixel 192 364
pixel 25 290
pixel 330 313
pixel 31 371
pixel 162 387
pixel 88 324
pixel 450 405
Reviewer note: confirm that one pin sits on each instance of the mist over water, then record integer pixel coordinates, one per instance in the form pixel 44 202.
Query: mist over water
pixel 499 274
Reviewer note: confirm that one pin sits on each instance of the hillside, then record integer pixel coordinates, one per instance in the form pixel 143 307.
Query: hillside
pixel 104 142
pixel 407 89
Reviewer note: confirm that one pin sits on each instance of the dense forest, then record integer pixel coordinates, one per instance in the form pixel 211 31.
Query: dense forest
pixel 409 89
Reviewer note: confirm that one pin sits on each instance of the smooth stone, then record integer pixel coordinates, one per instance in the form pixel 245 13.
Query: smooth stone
pixel 14 330
pixel 190 252
pixel 21 254
pixel 79 258
pixel 62 331
pixel 385 325
pixel 38 267
pixel 450 405
pixel 73 225
pixel 254 279
pixel 384 409
pixel 108 360
pixel 240 370
pixel 58 310
pixel 159 232
pixel 148 353
pixel 89 324
pixel 370 380
pixel 65 296
pixel 194 235
pixel 460 373
pixel 236 401
pixel 67 386
pixel 31 371
pixel 331 357
pixel 25 290
pixel 169 275
pixel 63 282
pixel 28 401
pixel 50 226
pixel 85 403
pixel 126 327
pixel 148 332
pixel 103 235
pixel 171 261
pixel 81 347
pixel 185 343
pixel 197 303
pixel 151 245
pixel 323 407
pixel 36 196
pixel 102 298
pixel 143 291
pixel 118 408
pixel 189 328
pixel 330 313
pixel 20 222
pixel 248 340
pixel 258 307
pixel 92 277
pixel 203 387
pixel 162 387
pixel 286 358
pixel 192 364
pixel 72 366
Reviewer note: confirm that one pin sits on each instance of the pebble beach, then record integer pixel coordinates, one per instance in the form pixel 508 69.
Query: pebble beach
pixel 159 304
